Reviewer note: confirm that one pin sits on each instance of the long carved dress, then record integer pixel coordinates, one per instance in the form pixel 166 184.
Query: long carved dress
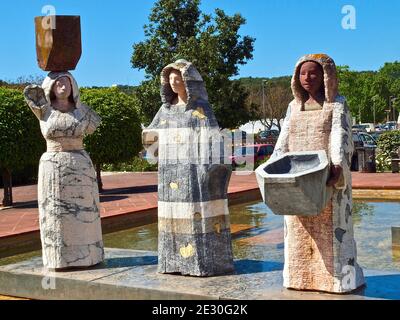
pixel 68 196
pixel 193 216
pixel 320 251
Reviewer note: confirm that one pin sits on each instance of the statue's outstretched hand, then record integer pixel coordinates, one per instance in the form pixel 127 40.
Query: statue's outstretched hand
pixel 35 96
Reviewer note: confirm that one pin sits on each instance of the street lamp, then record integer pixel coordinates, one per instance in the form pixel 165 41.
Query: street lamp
pixel 263 83
pixel 392 100
pixel 374 99
pixel 387 115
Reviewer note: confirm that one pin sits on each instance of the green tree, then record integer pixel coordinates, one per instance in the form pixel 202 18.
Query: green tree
pixel 369 93
pixel 355 86
pixel 118 138
pixel 21 142
pixel 178 29
pixel 391 70
pixel 271 108
pixel 148 95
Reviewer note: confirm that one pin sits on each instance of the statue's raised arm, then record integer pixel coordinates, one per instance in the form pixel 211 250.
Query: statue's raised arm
pixel 36 99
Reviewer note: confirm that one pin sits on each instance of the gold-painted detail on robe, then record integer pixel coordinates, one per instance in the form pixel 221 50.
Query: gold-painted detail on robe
pixel 187 251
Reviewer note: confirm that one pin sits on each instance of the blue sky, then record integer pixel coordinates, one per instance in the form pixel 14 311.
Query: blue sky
pixel 284 31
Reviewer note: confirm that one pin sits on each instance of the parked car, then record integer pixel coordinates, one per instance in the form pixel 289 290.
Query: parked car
pixel 359 127
pixel 380 128
pixel 268 133
pixel 376 135
pixel 251 153
pixel 268 136
pixel 362 139
pixel 364 144
pixel 369 127
pixel 391 125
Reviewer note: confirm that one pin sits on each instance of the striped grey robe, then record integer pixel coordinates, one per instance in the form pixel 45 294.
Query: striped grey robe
pixel 193 216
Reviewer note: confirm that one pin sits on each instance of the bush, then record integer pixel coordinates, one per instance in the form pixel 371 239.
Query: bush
pixel 383 163
pixel 21 142
pixel 388 143
pixel 136 165
pixel 118 138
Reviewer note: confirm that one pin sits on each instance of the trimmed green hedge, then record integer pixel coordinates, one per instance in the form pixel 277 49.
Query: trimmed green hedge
pixel 135 165
pixel 388 143
pixel 118 138
pixel 21 142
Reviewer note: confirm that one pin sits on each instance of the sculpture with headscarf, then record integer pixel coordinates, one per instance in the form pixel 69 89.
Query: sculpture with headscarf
pixel 320 251
pixel 193 216
pixel 68 196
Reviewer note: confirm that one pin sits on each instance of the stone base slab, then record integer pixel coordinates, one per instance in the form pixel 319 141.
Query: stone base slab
pixel 132 274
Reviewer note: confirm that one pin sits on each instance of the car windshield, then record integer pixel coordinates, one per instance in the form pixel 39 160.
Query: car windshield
pixel 370 140
pixel 367 139
pixel 271 133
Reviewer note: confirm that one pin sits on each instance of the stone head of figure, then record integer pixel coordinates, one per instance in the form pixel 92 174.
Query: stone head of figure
pixel 62 89
pixel 312 78
pixel 176 82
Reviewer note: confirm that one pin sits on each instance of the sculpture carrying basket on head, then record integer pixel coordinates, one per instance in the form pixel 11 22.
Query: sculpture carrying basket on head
pixel 68 195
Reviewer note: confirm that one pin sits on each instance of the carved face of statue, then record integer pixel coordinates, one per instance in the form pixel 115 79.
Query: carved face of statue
pixel 62 88
pixel 176 82
pixel 311 77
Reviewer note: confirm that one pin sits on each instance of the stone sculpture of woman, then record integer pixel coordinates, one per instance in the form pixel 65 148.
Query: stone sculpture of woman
pixel 193 216
pixel 68 195
pixel 320 251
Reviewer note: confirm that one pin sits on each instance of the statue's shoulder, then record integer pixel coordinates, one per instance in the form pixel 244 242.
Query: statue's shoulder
pixel 294 105
pixel 164 108
pixel 200 103
pixel 341 104
pixel 203 108
pixel 85 109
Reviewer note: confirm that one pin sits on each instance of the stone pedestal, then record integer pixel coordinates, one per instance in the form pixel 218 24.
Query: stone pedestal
pixel 131 274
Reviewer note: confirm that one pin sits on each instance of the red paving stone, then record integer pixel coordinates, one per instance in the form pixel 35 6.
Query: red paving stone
pixel 376 180
pixel 134 192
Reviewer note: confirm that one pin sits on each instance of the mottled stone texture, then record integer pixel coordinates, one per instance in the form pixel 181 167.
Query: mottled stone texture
pixel 131 275
pixel 295 183
pixel 68 195
pixel 194 229
pixel 320 251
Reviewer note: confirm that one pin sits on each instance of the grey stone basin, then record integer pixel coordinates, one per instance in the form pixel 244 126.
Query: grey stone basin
pixel 295 183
